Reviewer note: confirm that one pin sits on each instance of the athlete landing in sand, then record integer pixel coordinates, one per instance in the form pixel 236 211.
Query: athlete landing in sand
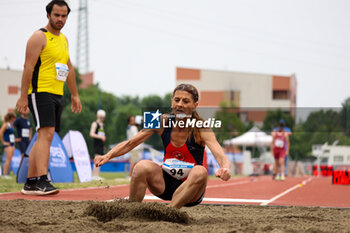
pixel 182 177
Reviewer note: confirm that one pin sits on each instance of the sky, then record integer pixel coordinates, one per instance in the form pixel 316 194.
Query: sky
pixel 135 45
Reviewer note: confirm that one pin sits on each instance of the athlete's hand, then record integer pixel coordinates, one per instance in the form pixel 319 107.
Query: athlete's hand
pixel 22 104
pixel 223 173
pixel 103 138
pixel 100 160
pixel 76 104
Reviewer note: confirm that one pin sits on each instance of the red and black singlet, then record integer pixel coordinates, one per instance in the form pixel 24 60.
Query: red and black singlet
pixel 178 161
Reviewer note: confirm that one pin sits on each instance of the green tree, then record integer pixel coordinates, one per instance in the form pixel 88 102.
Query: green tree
pixel 273 117
pixel 82 122
pixel 345 116
pixel 231 124
pixel 320 127
pixel 323 121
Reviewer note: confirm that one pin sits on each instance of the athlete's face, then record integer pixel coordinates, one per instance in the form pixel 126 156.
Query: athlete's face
pixel 183 103
pixel 100 118
pixel 132 121
pixel 12 119
pixel 58 17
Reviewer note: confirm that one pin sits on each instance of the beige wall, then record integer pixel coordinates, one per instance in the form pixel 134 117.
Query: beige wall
pixel 9 78
pixel 255 90
pixel 253 93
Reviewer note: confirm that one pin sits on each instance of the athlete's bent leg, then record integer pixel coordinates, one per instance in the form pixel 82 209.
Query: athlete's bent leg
pixel 39 156
pixel 192 188
pixel 146 174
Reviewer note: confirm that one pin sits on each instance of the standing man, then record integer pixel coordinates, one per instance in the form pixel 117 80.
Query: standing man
pixel 131 132
pixel 97 132
pixel 47 67
pixel 280 148
pixel 289 131
pixel 24 131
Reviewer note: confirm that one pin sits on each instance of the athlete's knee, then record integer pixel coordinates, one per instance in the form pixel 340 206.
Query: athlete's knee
pixel 199 174
pixel 46 133
pixel 142 169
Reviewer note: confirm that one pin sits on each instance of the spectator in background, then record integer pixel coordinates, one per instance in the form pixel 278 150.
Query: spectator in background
pixel 280 147
pixel 24 131
pixel 97 132
pixel 7 137
pixel 131 131
pixel 289 131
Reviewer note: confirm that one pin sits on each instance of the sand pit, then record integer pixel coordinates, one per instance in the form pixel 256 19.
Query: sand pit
pixel 122 209
pixel 122 216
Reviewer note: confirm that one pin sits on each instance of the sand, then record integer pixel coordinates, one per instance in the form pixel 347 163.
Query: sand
pixel 123 216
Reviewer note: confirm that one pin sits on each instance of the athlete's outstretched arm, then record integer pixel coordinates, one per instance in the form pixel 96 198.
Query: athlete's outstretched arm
pixel 35 45
pixel 215 148
pixel 124 147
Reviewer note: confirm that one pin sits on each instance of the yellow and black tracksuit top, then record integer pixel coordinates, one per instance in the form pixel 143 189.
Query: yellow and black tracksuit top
pixel 44 73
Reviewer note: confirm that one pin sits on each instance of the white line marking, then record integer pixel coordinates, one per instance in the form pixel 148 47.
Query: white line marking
pixel 96 187
pixel 228 184
pixel 234 200
pixel 285 192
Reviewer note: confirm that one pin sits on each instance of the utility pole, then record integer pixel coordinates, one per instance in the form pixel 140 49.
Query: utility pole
pixel 83 38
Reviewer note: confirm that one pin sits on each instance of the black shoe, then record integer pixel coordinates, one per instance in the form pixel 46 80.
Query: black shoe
pixel 41 187
pixel 29 189
pixel 44 187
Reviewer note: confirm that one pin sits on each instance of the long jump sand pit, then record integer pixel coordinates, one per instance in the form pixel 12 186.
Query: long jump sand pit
pixel 123 216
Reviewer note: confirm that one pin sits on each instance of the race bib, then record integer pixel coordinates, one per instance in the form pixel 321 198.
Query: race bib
pixel 101 133
pixel 25 133
pixel 279 143
pixel 177 169
pixel 12 138
pixel 62 72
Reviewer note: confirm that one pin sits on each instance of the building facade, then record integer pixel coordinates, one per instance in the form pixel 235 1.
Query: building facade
pixel 9 90
pixel 251 95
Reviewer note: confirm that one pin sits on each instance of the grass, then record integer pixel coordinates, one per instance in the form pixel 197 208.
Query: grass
pixel 111 178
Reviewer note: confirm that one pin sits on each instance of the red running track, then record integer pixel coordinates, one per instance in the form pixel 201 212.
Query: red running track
pixel 303 191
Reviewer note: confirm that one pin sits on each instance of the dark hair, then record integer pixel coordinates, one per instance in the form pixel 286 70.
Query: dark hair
pixel 194 92
pixel 9 116
pixel 56 2
pixel 281 124
pixel 190 89
pixel 129 118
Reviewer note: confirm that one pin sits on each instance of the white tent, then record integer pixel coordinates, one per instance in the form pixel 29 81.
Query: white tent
pixel 254 137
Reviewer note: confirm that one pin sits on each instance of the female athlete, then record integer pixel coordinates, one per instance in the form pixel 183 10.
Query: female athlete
pixel 182 178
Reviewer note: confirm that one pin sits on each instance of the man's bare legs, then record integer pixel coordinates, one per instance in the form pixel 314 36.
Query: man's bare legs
pixel 39 155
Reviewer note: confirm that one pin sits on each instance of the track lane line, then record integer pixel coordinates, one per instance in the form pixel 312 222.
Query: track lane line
pixel 209 199
pixel 285 192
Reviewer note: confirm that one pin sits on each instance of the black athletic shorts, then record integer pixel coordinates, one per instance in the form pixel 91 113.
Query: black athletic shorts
pixel 46 109
pixel 23 144
pixel 171 184
pixel 99 149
